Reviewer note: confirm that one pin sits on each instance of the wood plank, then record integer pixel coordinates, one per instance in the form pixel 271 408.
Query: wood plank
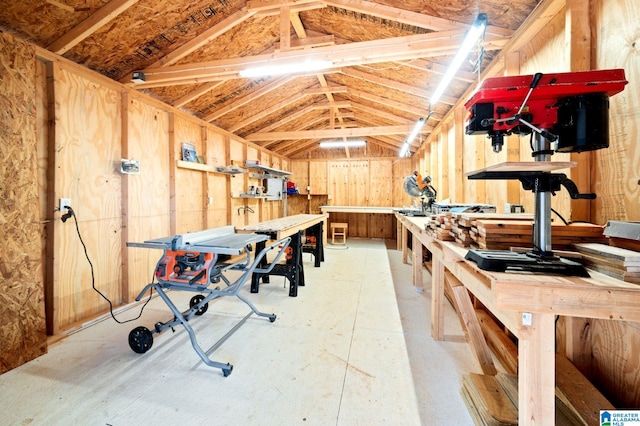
pixel 578 397
pixel 490 399
pixel 471 323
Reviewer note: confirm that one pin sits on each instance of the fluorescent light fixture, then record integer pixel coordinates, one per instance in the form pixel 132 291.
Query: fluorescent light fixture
pixel 470 40
pixel 269 70
pixel 416 129
pixel 342 144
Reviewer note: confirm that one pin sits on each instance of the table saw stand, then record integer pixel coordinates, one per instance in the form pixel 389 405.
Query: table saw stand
pixel 195 262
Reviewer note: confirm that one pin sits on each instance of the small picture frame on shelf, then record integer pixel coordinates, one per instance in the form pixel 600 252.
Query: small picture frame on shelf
pixel 189 152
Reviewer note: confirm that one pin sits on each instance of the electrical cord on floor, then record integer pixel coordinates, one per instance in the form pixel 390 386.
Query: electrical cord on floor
pixel 70 213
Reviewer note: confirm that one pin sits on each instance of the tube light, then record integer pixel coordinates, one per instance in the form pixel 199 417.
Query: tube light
pixel 269 70
pixel 342 144
pixel 470 40
pixel 416 129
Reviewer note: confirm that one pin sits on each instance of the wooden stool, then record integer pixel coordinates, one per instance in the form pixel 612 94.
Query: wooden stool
pixel 339 229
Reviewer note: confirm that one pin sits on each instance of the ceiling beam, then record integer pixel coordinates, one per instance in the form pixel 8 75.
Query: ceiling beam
pixel 273 6
pixel 330 133
pixel 196 93
pixel 90 25
pixel 382 114
pixel 424 65
pixel 273 85
pixel 306 43
pixel 359 53
pixel 200 40
pixel 396 85
pixel 420 20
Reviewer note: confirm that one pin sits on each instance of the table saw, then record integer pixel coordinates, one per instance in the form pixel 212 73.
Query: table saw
pixel 198 262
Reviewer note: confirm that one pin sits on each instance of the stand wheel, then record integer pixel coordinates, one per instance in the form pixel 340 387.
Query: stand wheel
pixel 272 317
pixel 140 339
pixel 227 371
pixel 197 299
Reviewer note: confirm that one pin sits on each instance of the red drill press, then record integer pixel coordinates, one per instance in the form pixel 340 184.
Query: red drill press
pixel 568 110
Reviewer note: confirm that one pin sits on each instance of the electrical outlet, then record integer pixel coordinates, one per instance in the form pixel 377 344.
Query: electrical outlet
pixel 64 204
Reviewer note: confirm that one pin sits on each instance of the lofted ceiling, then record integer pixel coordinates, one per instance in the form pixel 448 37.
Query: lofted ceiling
pixel 387 58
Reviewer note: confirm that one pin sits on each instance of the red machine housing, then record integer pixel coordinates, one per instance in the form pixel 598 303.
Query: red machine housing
pixel 573 104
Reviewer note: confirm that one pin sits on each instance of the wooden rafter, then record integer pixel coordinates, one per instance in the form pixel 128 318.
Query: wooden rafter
pixel 407 17
pixel 87 27
pixel 395 85
pixel 360 53
pixel 330 133
pixel 273 85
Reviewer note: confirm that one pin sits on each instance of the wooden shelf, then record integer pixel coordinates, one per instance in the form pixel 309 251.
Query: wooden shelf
pixel 206 168
pixel 194 166
pixel 267 170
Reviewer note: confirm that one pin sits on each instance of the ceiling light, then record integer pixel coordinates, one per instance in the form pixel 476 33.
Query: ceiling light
pixel 416 129
pixel 342 144
pixel 269 70
pixel 470 40
pixel 472 36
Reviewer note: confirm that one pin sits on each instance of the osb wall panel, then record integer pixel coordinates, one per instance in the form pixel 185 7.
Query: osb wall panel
pixel 88 153
pixel 148 195
pixel 615 365
pixel 617 169
pixel 189 184
pixel 23 330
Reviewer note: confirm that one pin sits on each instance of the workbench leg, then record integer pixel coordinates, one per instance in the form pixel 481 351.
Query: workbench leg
pixel 399 235
pixel 416 260
pixel 536 370
pixel 405 249
pixel 437 300
pixel 255 277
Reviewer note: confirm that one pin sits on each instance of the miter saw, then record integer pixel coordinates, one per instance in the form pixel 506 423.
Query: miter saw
pixel 569 110
pixel 420 187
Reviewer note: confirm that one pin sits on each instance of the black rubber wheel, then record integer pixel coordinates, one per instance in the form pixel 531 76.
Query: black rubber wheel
pixel 272 317
pixel 140 339
pixel 197 299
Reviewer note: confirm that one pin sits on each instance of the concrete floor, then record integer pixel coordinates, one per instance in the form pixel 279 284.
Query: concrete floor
pixel 353 348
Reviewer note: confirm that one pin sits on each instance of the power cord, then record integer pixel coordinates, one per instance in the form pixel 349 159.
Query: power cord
pixel 70 213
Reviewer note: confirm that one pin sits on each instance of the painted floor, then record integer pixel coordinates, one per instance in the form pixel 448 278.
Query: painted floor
pixel 354 348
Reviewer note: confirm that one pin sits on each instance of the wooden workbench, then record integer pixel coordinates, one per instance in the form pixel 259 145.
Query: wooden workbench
pixel 364 221
pixel 527 304
pixel 294 227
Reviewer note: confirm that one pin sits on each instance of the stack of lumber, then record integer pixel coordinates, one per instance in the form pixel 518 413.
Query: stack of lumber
pixel 623 234
pixel 458 227
pixel 501 235
pixel 487 402
pixel 439 226
pixel 616 262
pixel 501 231
pixel 493 400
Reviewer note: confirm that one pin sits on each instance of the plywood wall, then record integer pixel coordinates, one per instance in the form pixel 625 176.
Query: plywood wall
pixel 616 171
pixel 616 180
pixel 23 330
pixel 148 194
pixel 64 134
pixel 87 142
